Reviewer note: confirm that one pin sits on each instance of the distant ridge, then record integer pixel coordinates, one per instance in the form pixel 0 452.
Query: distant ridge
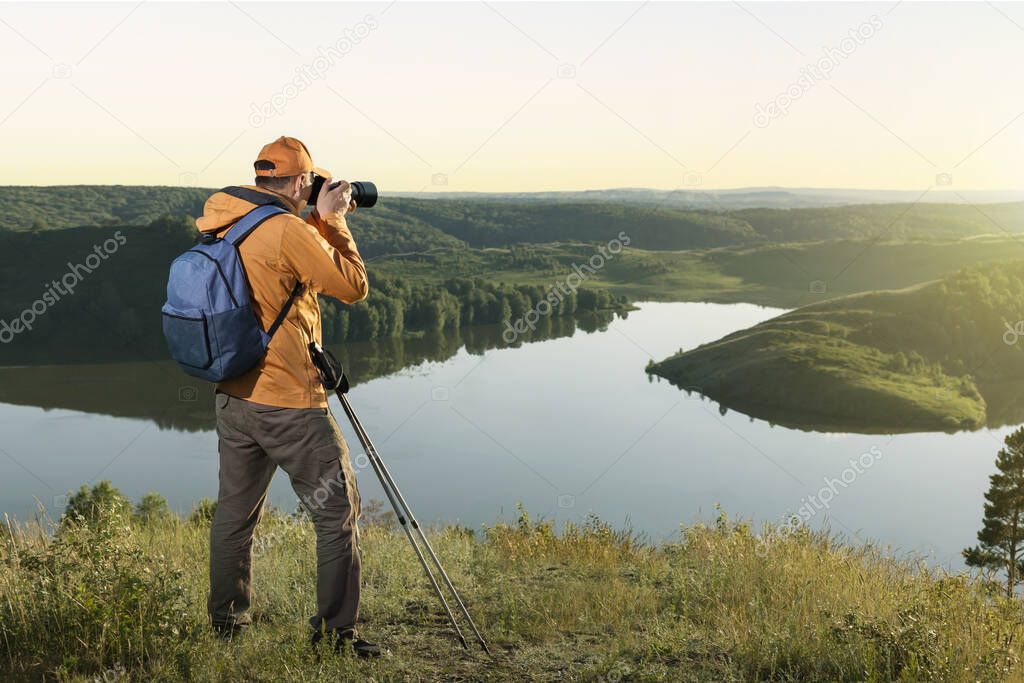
pixel 746 197
pixel 95 204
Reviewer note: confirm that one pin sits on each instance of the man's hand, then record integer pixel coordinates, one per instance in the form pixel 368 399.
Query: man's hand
pixel 338 200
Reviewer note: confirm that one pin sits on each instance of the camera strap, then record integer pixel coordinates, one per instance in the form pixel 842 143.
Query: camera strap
pixel 255 197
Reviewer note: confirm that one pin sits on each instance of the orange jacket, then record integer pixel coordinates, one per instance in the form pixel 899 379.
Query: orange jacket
pixel 320 253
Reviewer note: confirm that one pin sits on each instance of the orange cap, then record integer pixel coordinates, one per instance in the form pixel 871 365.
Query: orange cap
pixel 289 157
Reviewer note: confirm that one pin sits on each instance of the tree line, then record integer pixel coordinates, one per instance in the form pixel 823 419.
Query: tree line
pixel 401 224
pixel 114 311
pixel 396 305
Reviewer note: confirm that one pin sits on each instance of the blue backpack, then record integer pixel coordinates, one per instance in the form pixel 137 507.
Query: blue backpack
pixel 210 326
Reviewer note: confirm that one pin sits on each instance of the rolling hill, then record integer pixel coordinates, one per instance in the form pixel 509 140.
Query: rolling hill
pixel 942 355
pixel 67 206
pixel 404 224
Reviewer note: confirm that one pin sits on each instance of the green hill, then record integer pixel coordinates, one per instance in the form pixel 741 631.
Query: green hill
pixel 404 224
pixel 884 221
pixel 498 223
pixel 445 263
pixel 781 275
pixel 69 206
pixel 929 357
pixel 37 209
pixel 397 224
pixel 113 312
pixel 785 274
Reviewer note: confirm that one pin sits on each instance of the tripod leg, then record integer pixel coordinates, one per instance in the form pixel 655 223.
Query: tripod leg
pixel 364 440
pixel 381 468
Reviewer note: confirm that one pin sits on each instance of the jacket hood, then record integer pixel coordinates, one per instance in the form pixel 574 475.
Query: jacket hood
pixel 222 210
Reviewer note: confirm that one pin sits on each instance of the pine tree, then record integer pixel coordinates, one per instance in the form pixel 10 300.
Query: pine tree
pixel 1001 539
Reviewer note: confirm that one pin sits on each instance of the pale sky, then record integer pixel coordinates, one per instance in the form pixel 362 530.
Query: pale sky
pixel 517 96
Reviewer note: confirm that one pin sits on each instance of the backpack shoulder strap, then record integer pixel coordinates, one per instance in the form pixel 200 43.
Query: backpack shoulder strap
pixel 266 207
pixel 296 291
pixel 250 221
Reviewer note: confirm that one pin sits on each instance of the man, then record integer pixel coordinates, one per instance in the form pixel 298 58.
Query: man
pixel 276 414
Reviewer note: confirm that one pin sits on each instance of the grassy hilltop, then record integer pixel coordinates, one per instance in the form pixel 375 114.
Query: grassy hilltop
pixel 121 597
pixel 928 357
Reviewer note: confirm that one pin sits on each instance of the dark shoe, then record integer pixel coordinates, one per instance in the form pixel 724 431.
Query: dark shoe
pixel 341 640
pixel 229 631
pixel 368 650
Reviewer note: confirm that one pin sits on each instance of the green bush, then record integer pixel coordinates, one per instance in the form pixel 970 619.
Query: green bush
pixel 100 501
pixel 91 599
pixel 203 513
pixel 152 507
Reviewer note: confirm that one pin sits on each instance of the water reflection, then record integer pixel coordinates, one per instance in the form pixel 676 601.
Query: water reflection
pixel 161 392
pixel 566 427
pixel 1004 406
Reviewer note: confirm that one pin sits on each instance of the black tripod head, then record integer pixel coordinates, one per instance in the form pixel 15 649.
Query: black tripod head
pixel 332 374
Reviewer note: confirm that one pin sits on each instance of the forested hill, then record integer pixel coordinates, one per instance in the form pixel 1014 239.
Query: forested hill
pixel 500 223
pixel 885 221
pixel 94 294
pixel 70 206
pixel 943 355
pixel 402 224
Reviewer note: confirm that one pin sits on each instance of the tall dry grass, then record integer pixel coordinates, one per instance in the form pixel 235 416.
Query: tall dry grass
pixel 121 597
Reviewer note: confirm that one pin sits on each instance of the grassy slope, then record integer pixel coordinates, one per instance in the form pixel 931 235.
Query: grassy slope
pixel 586 604
pixel 919 358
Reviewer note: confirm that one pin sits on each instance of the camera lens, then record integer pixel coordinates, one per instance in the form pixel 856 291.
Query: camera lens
pixel 364 193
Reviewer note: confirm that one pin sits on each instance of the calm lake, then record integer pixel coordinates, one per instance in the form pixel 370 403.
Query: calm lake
pixel 567 425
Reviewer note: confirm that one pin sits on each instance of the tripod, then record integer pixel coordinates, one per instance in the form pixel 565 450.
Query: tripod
pixel 333 377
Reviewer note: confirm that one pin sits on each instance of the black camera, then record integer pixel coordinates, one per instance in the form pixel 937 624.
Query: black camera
pixel 364 193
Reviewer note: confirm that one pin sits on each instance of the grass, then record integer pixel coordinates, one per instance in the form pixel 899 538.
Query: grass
pixel 115 598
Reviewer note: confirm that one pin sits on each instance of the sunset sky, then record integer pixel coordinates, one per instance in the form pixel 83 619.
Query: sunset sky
pixel 517 97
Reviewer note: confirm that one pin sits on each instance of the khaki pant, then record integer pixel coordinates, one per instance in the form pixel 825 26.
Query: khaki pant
pixel 306 443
